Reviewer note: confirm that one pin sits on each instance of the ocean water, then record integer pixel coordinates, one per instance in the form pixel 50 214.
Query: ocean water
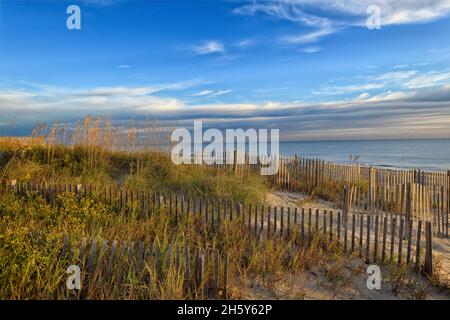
pixel 424 154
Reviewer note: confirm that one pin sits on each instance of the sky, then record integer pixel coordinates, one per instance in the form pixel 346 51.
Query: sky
pixel 312 69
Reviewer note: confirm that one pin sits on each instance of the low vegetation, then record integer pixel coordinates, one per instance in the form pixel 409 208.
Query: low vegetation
pixel 33 261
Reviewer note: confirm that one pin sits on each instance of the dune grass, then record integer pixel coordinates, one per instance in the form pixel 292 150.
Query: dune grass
pixel 32 226
pixel 144 171
pixel 32 229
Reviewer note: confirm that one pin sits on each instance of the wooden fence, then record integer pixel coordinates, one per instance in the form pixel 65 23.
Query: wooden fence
pixel 411 200
pixel 377 237
pixel 375 186
pixel 203 271
pixel 418 194
pixel 316 171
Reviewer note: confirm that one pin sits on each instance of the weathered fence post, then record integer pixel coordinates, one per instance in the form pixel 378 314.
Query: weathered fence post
pixel 92 255
pixel 383 246
pixel 369 191
pixel 409 240
pixel 428 268
pixel 345 205
pixel 225 275
pixel 419 233
pixel 448 201
pixel 408 203
pixel 345 211
pixel 186 271
pixel 368 239
pixel 216 273
pixel 199 266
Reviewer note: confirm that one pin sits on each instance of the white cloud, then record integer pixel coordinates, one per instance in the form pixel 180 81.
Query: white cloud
pixel 335 15
pixel 181 85
pixel 290 11
pixel 51 99
pixel 115 91
pixel 283 10
pixel 211 93
pixel 334 90
pixel 363 96
pixel 99 100
pixel 392 11
pixel 209 47
pixel 246 43
pixel 220 92
pixel 405 79
pixel 124 66
pixel 421 64
pixel 312 49
pixel 395 75
pixel 203 93
pixel 412 79
pixel 426 112
pixel 400 66
pixel 429 79
pixel 313 36
pixel 11 100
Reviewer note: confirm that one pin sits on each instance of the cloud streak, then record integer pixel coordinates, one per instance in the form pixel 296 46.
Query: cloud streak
pixel 209 47
pixel 211 93
pixel 315 15
pixel 418 113
pixel 291 11
pixel 406 80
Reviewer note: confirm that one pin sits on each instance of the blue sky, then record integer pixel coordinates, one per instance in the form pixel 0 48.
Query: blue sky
pixel 310 68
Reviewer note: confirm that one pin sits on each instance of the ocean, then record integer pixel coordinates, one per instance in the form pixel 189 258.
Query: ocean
pixel 424 154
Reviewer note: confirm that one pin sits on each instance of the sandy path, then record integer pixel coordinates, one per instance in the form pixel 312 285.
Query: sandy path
pixel 441 246
pixel 325 283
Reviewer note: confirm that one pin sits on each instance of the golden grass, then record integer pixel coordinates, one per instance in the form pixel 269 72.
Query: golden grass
pixel 32 229
pixel 133 157
pixel 21 142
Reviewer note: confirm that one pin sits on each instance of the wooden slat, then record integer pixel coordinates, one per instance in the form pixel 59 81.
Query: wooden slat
pixel 383 246
pixel 428 268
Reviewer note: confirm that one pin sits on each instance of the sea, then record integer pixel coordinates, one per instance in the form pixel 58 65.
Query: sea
pixel 424 154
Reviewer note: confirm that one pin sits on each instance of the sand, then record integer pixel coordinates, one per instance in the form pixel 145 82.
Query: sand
pixel 315 285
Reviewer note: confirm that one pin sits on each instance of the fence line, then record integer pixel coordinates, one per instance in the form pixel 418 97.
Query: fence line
pixel 316 171
pixel 375 186
pixel 397 234
pixel 203 270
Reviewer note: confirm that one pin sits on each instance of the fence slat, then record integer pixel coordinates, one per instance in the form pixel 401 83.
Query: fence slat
pixel 428 269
